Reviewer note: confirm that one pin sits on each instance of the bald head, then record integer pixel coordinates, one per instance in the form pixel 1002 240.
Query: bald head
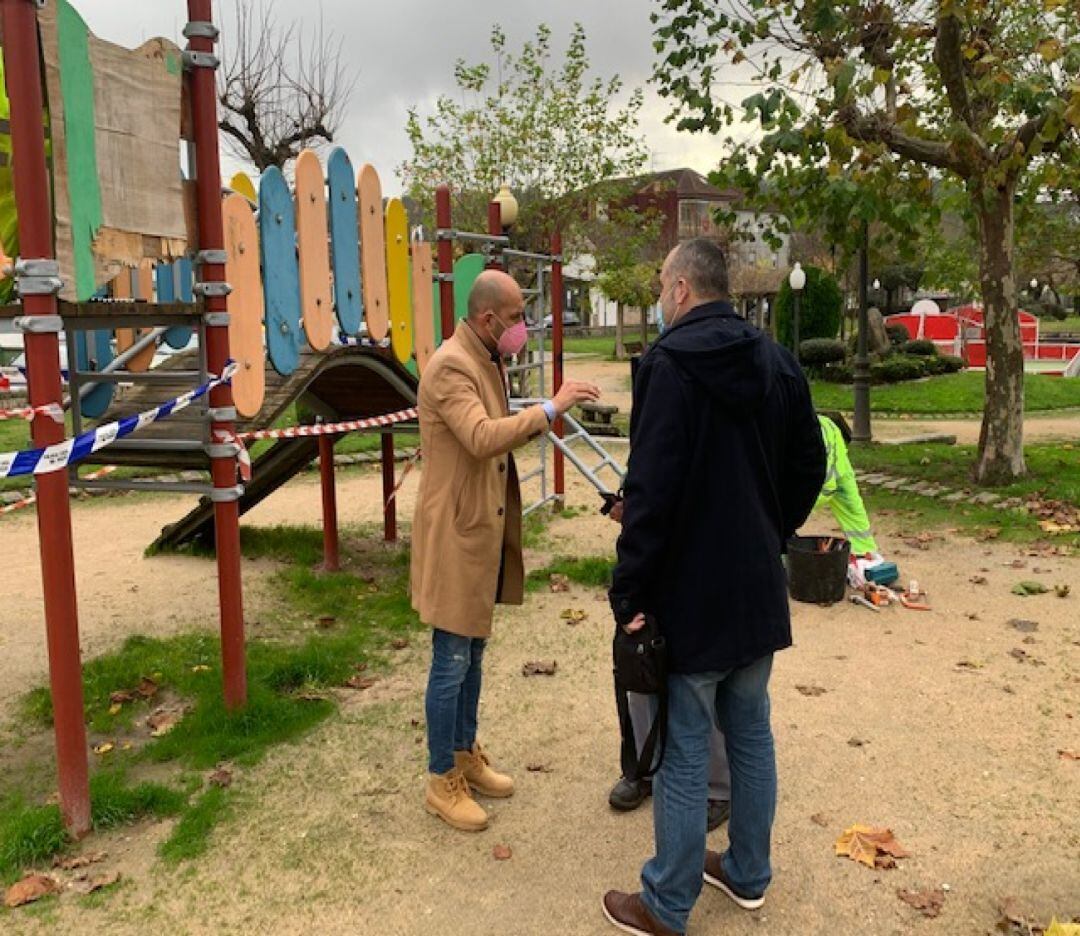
pixel 494 291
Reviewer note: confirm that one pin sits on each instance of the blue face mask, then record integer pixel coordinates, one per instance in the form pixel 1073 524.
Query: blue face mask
pixel 660 322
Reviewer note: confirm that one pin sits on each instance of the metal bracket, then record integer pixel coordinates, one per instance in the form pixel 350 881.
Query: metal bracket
pixel 226 495
pixel 222 449
pixel 443 277
pixel 556 258
pixel 201 29
pixel 445 233
pixel 39 324
pixel 214 288
pixel 216 318
pixel 40 277
pixel 193 59
pixel 211 256
pixel 221 414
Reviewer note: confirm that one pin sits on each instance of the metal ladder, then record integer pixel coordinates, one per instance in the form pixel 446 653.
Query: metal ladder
pixel 575 432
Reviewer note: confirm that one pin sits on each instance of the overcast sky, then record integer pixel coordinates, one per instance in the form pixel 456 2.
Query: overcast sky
pixel 404 51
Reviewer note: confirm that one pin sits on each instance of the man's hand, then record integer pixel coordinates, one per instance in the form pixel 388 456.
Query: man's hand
pixel 573 392
pixel 636 624
pixel 616 511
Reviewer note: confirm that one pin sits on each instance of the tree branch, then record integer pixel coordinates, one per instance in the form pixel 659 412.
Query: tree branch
pixel 874 129
pixel 950 62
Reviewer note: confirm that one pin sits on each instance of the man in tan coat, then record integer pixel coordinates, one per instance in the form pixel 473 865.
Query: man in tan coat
pixel 466 540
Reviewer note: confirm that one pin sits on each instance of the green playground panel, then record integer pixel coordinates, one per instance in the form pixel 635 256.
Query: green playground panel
pixel 466 269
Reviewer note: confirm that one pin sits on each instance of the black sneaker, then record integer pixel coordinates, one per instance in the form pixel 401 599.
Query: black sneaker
pixel 719 813
pixel 714 875
pixel 629 794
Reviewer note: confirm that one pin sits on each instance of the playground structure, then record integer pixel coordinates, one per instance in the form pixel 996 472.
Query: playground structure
pixel 961 331
pixel 321 282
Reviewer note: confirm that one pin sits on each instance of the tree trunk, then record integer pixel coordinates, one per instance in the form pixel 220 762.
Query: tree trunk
pixel 644 328
pixel 1001 439
pixel 620 348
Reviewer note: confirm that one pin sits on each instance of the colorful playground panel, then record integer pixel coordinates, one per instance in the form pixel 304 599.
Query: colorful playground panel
pixel 245 304
pixel 422 305
pixel 315 303
pixel 344 231
pixel 167 275
pixel 466 269
pixel 123 287
pixel 398 282
pixel 372 252
pixel 281 273
pixel 241 184
pixel 93 350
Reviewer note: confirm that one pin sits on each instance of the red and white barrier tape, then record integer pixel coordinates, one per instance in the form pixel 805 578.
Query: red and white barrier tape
pixel 409 465
pixel 318 429
pixel 53 410
pixel 243 457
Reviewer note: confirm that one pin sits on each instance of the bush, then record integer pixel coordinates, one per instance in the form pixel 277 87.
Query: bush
pixel 944 364
pixel 819 308
pixel 840 373
pixel 922 347
pixel 820 351
pixel 898 334
pixel 898 368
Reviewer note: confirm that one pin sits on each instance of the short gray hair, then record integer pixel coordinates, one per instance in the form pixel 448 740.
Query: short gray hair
pixel 701 262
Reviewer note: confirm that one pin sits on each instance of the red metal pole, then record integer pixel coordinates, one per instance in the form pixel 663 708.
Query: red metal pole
pixel 446 261
pixel 557 353
pixel 495 228
pixel 22 59
pixel 389 506
pixel 203 93
pixel 331 562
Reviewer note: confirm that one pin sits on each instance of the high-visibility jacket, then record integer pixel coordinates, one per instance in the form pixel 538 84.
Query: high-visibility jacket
pixel 841 492
pixel 9 223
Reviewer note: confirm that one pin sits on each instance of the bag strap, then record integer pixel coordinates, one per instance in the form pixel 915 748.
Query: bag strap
pixel 643 767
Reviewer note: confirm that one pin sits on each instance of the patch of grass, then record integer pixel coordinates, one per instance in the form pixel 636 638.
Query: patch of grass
pixel 603 346
pixel 369 603
pixel 949 393
pixel 591 571
pixel 191 837
pixel 1049 326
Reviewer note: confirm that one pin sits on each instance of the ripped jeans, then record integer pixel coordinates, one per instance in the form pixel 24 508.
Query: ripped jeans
pixel 453 695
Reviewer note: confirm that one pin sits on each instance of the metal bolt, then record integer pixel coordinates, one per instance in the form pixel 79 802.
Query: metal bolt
pixel 284 328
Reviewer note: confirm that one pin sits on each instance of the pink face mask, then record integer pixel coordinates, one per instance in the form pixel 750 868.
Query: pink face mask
pixel 513 339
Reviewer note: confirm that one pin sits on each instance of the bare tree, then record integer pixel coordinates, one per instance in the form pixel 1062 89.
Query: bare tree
pixel 279 90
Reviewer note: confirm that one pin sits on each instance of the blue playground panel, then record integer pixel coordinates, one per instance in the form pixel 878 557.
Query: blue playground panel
pixel 281 272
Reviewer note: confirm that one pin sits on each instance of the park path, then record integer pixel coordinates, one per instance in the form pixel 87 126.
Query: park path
pixel 961 761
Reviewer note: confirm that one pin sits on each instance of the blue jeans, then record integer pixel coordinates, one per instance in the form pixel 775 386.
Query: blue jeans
pixel 739 700
pixel 453 695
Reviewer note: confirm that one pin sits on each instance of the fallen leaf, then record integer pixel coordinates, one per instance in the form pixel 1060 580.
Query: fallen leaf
pixel 399 643
pixel 1062 591
pixel 978 580
pixel 539 668
pixel 1016 564
pixel 90 884
pixel 147 688
pixel 161 721
pixel 928 902
pixel 501 852
pixel 857 742
pixel 820 819
pixel 1062 929
pixel 311 695
pixel 573 615
pixel 969 665
pixel 103 748
pixel 972 616
pixel 1029 588
pixel 222 777
pixel 360 682
pixel 114 709
pixel 79 861
pixel 200 668
pixel 558 582
pixel 119 698
pixel 537 767
pixel 326 621
pixel 1069 755
pixel 811 690
pixel 1013 921
pixel 869 845
pixel 30 888
pixel 1026 627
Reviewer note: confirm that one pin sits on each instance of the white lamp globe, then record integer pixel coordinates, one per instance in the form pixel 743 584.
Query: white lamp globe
pixel 797 278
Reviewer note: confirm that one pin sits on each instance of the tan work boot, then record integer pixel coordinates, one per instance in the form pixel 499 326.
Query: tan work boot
pixel 476 768
pixel 448 797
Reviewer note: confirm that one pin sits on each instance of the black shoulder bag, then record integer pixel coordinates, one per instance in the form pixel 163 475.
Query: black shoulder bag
pixel 640 661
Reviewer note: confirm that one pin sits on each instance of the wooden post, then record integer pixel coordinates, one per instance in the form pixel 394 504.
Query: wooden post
pixel 443 222
pixel 389 506
pixel 22 54
pixel 331 560
pixel 557 293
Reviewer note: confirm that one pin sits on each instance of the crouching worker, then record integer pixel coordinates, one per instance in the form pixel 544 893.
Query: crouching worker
pixel 466 536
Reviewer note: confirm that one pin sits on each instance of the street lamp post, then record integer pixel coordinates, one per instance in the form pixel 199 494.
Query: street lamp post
pixel 861 429
pixel 797 280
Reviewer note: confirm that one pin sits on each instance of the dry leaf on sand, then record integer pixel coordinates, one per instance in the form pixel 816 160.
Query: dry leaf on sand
pixel 928 902
pixel 87 885
pixel 811 690
pixel 559 583
pixel 539 668
pixel 501 852
pixel 30 888
pixel 360 682
pixel 870 845
pixel 79 861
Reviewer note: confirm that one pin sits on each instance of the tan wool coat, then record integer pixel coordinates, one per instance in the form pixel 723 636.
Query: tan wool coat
pixel 468 513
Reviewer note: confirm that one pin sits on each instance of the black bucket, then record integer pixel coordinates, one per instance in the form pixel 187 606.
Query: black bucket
pixel 817 568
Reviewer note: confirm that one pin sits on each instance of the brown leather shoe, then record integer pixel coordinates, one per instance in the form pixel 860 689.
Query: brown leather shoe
pixel 628 913
pixel 714 874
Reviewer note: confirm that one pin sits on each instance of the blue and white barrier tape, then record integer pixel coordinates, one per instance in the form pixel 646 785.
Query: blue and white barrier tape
pixel 71 451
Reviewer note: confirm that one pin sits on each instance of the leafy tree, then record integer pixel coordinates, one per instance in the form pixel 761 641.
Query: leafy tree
pixel 554 134
pixel 820 307
pixel 890 95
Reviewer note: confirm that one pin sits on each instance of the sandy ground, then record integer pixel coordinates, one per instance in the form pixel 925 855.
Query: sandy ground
pixel 961 762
